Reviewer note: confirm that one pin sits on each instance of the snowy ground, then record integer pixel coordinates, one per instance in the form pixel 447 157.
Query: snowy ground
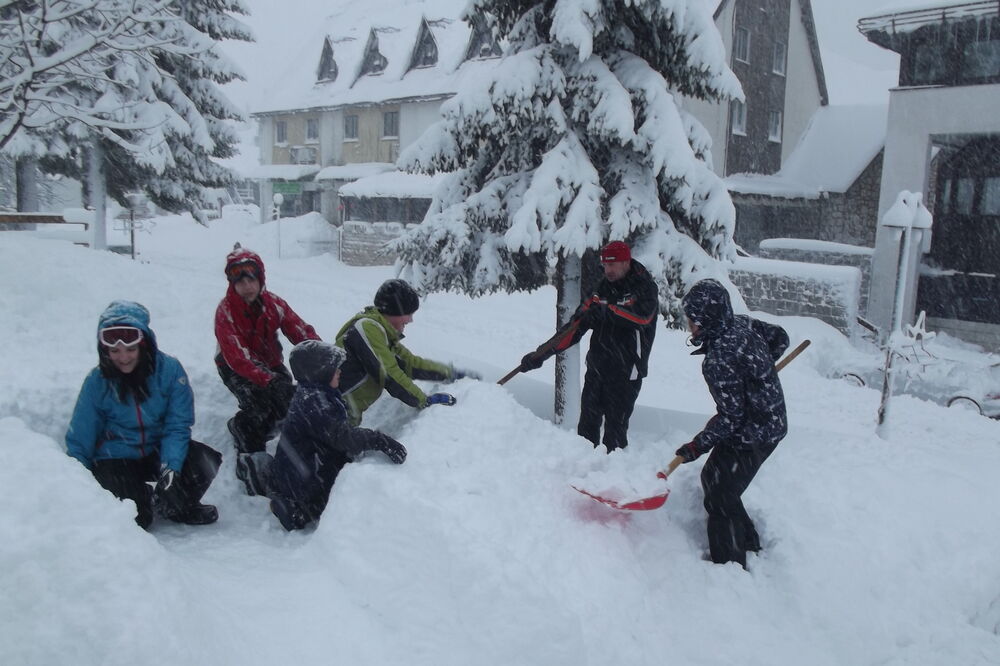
pixel 476 551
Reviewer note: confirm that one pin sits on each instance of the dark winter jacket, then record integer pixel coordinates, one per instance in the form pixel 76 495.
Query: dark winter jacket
pixel 248 333
pixel 622 316
pixel 316 442
pixel 739 369
pixel 105 426
pixel 377 361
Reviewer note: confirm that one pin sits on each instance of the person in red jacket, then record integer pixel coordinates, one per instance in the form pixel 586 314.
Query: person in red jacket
pixel 250 361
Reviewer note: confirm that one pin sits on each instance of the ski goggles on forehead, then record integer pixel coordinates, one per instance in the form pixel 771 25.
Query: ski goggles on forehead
pixel 120 336
pixel 237 272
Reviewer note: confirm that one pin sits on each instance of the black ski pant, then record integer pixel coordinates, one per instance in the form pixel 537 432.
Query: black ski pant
pixel 260 407
pixel 609 400
pixel 724 478
pixel 129 478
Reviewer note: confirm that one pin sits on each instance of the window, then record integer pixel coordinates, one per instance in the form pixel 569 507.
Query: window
pixel 738 117
pixel 964 191
pixel 482 44
pixel 426 54
pixel 778 58
pixel 350 127
pixel 990 198
pixel 390 124
pixel 327 65
pixel 280 131
pixel 312 129
pixel 374 62
pixel 304 155
pixel 741 45
pixel 774 126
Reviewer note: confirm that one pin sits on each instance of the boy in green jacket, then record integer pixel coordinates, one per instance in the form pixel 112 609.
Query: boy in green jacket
pixel 377 359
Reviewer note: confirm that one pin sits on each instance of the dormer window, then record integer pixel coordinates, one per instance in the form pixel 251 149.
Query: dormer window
pixel 482 44
pixel 374 62
pixel 327 65
pixel 426 52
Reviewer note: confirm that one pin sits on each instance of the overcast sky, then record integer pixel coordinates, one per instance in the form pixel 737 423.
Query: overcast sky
pixel 857 71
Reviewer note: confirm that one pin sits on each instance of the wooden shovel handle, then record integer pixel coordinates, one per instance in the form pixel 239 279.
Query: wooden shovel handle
pixel 791 355
pixel 674 464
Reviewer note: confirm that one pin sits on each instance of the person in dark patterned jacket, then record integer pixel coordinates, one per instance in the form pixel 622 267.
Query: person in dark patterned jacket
pixel 750 418
pixel 622 315
pixel 250 361
pixel 316 438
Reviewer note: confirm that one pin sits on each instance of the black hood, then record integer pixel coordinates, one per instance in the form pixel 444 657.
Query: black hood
pixel 707 305
pixel 315 361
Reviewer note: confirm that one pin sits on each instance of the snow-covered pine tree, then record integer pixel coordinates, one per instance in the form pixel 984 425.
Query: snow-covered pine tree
pixel 147 92
pixel 187 82
pixel 577 138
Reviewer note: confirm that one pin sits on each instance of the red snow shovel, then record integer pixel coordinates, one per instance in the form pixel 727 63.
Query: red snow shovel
pixel 656 501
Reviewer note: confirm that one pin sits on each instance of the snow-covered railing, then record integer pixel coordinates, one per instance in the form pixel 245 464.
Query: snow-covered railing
pixel 908 20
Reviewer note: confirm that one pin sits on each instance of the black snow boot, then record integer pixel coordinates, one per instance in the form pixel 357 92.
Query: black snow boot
pixel 288 514
pixel 251 469
pixel 199 514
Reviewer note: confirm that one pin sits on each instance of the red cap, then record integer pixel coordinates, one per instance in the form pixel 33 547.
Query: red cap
pixel 615 251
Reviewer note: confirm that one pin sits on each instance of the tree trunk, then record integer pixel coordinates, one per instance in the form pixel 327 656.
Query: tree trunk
pixel 567 393
pixel 98 193
pixel 27 185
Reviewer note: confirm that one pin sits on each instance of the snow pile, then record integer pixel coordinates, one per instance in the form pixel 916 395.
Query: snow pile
pixel 477 551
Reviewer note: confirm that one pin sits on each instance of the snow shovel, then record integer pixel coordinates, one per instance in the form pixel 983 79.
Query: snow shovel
pixel 656 501
pixel 543 349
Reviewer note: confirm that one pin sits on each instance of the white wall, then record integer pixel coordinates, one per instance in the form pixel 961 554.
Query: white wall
pixel 713 115
pixel 916 115
pixel 802 96
pixel 414 118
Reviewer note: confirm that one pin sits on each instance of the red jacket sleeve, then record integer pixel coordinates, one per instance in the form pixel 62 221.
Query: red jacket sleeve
pixel 234 351
pixel 291 324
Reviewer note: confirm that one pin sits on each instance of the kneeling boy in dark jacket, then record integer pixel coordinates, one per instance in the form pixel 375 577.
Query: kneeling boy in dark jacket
pixel 316 438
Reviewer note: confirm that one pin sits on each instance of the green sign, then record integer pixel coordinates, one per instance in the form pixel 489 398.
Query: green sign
pixel 287 188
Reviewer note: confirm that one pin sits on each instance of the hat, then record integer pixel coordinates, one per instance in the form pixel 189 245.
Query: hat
pixel 615 251
pixel 243 261
pixel 315 361
pixel 396 297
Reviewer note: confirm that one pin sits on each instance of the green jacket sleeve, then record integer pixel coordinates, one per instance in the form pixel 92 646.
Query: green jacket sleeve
pixel 380 360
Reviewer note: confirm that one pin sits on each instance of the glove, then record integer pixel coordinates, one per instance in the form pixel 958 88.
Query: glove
pixel 165 493
pixel 597 312
pixel 166 480
pixel 462 373
pixel 395 451
pixel 531 361
pixel 440 399
pixel 689 452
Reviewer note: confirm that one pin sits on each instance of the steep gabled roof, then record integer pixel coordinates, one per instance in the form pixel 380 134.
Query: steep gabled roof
pixel 392 30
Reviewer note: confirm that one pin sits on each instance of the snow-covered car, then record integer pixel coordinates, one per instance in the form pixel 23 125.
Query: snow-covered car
pixel 946 371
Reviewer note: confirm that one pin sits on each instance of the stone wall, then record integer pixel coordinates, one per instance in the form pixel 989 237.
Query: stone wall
pixel 829 254
pixel 791 288
pixel 363 243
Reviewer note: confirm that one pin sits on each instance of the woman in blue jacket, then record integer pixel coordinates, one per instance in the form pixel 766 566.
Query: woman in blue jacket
pixel 132 423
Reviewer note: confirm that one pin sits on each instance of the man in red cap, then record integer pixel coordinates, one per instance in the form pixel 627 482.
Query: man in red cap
pixel 250 361
pixel 622 316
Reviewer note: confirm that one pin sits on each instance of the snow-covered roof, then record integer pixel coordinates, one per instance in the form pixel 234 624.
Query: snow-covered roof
pixel 353 171
pixel 280 171
pixel 838 144
pixel 395 27
pixel 395 184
